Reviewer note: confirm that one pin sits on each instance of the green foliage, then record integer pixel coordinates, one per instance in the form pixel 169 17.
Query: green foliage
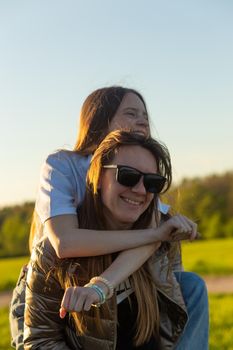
pixel 212 257
pixel 228 228
pixel 214 226
pixel 14 229
pixel 208 201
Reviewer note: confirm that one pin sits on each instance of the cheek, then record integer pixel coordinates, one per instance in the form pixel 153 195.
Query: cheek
pixel 149 199
pixel 104 198
pixel 115 123
pixel 107 187
pixel 103 185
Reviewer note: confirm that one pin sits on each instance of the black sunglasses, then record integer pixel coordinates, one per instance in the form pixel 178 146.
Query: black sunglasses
pixel 129 177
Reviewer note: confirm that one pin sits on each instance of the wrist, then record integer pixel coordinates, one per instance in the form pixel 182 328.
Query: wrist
pixel 106 284
pixel 99 292
pixel 102 286
pixel 158 234
pixel 153 235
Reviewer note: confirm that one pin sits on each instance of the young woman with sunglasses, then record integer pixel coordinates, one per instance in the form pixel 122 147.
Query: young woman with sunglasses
pixel 126 175
pixel 62 188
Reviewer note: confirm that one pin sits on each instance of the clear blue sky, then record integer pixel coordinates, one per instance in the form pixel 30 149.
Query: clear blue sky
pixel 178 54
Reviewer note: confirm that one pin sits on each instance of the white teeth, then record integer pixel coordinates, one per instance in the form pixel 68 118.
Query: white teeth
pixel 139 132
pixel 131 201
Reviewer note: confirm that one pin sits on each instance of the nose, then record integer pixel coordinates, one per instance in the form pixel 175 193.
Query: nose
pixel 143 121
pixel 139 188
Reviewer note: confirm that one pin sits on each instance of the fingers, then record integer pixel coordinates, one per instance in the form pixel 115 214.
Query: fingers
pixel 194 233
pixel 183 228
pixel 76 299
pixel 62 312
pixel 189 227
pixel 65 303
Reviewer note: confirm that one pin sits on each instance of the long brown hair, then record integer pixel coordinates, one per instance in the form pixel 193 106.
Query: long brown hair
pixel 91 216
pixel 96 113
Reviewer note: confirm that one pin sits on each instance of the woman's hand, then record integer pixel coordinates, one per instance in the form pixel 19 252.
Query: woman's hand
pixel 177 228
pixel 76 299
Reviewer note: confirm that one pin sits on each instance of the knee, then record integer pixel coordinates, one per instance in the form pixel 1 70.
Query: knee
pixel 197 282
pixel 193 285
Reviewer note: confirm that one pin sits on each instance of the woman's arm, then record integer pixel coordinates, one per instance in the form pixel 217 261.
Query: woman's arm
pixel 69 240
pixel 126 263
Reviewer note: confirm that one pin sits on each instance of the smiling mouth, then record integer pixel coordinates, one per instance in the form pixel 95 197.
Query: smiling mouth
pixel 131 201
pixel 141 132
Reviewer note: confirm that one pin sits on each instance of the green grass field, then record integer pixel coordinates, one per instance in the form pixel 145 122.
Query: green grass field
pixel 213 257
pixel 4 330
pixel 9 271
pixel 221 324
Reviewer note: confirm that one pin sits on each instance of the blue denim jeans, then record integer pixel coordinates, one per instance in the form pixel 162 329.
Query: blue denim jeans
pixel 194 337
pixel 196 332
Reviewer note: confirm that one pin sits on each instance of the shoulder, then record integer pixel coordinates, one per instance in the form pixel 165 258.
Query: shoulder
pixel 65 157
pixel 62 184
pixel 66 162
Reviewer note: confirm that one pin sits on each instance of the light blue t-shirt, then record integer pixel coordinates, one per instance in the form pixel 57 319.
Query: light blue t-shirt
pixel 62 185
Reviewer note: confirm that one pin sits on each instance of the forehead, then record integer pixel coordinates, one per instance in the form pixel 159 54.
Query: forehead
pixel 132 100
pixel 136 157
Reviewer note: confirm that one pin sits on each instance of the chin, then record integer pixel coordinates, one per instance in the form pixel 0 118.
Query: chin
pixel 130 220
pixel 127 219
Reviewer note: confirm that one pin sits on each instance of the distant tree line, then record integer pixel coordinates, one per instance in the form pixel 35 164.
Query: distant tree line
pixel 206 200
pixel 14 229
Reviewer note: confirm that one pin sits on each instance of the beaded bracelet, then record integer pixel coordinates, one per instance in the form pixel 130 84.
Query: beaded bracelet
pixel 106 283
pixel 100 293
